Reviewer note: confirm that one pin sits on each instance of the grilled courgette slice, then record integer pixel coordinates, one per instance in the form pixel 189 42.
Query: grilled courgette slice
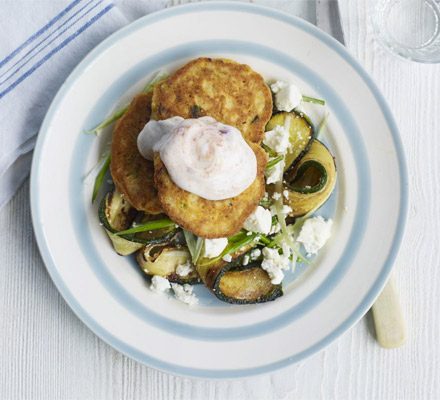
pixel 116 214
pixel 301 135
pixel 163 260
pixel 311 183
pixel 238 284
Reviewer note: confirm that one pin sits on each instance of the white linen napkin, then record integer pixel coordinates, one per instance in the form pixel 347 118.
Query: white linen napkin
pixel 41 41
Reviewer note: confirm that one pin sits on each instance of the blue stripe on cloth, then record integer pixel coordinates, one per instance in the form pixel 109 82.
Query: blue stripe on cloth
pixel 38 33
pixel 51 41
pixel 55 50
pixel 41 42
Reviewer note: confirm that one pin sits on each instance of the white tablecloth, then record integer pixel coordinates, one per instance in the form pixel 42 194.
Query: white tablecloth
pixel 47 353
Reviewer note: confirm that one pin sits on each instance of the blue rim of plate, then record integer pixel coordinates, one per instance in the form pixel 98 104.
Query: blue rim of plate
pixel 226 373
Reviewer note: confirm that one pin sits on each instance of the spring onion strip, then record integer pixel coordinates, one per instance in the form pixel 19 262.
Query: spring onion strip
pixel 314 100
pixel 234 246
pixel 148 226
pixel 273 162
pixel 265 240
pixel 287 122
pixel 200 243
pixel 91 174
pixel 191 241
pixel 286 236
pixel 195 245
pixel 159 77
pixel 99 180
pixel 235 243
pixel 269 150
pixel 322 124
pixel 108 121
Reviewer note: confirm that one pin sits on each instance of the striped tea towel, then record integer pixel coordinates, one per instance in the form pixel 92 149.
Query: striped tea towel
pixel 41 41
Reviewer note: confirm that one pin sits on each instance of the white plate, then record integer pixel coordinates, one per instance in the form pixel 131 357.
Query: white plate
pixel 215 339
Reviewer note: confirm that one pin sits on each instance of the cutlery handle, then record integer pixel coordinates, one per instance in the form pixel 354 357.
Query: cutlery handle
pixel 388 318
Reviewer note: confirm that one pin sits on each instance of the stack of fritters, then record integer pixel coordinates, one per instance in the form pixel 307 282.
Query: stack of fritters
pixel 230 92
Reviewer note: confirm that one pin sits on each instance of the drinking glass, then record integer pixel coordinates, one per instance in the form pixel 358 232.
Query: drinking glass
pixel 408 28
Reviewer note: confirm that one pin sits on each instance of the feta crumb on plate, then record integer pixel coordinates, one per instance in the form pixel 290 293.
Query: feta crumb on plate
pixel 278 139
pixel 259 221
pixel 275 228
pixel 276 196
pixel 184 269
pixel 184 293
pixel 227 258
pixel 159 284
pixel 274 263
pixel 246 260
pixel 277 86
pixel 255 253
pixel 286 210
pixel 314 234
pixel 275 174
pixel 214 247
pixel 287 96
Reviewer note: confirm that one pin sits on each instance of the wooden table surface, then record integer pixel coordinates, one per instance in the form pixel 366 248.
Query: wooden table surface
pixel 47 353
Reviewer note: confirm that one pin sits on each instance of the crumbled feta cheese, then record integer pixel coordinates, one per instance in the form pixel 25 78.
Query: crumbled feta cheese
pixel 286 194
pixel 248 233
pixel 184 269
pixel 276 196
pixel 278 139
pixel 314 234
pixel 159 284
pixel 275 174
pixel 274 264
pixel 255 253
pixel 287 97
pixel 275 228
pixel 259 221
pixel 286 210
pixel 214 247
pixel 246 259
pixel 227 258
pixel 277 86
pixel 184 293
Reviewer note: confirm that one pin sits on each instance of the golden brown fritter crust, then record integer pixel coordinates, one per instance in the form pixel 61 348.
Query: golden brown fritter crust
pixel 230 92
pixel 209 218
pixel 134 175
